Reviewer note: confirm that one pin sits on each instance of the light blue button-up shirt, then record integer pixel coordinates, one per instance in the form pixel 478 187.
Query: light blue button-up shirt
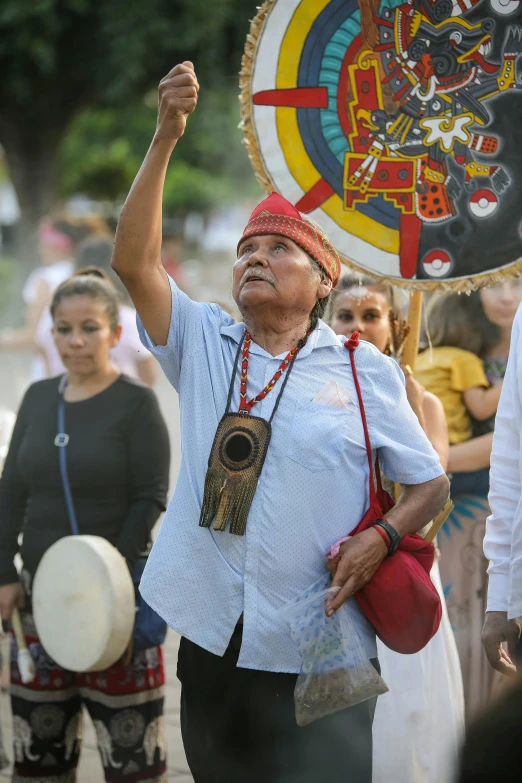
pixel 313 488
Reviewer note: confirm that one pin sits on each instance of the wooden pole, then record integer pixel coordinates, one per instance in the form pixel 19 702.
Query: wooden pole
pixel 411 348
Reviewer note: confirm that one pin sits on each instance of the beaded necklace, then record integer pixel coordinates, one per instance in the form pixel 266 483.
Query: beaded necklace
pixel 239 449
pixel 245 405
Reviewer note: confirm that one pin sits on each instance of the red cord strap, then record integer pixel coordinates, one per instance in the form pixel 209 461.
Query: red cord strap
pixel 352 344
pixel 383 535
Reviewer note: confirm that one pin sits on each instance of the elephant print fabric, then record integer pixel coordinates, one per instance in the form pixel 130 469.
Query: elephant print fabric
pixel 154 739
pixel 125 704
pixel 398 126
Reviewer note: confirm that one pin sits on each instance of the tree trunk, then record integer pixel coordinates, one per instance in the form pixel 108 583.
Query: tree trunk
pixel 32 156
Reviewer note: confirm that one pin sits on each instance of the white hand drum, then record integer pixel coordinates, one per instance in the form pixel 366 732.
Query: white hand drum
pixel 83 603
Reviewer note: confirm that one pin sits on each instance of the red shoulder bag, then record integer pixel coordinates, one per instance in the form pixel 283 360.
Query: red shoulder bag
pixel 400 600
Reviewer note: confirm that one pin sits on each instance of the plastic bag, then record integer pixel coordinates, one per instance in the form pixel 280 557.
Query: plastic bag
pixel 335 670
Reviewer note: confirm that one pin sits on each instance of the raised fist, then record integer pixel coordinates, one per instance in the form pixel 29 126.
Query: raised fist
pixel 178 96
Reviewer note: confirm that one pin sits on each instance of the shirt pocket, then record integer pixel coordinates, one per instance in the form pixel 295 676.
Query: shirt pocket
pixel 318 436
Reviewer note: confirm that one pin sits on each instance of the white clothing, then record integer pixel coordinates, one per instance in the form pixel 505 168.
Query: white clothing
pixel 503 540
pixel 419 725
pixel 126 356
pixel 54 275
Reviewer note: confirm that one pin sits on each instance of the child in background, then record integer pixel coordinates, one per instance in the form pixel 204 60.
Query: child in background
pixel 451 369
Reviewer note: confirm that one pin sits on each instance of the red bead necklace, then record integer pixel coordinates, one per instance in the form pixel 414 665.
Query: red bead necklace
pixel 245 406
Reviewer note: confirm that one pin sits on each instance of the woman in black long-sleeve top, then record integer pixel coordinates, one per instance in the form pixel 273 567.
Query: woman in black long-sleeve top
pixel 118 464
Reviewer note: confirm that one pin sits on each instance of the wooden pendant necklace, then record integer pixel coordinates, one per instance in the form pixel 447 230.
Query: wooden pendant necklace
pixel 239 449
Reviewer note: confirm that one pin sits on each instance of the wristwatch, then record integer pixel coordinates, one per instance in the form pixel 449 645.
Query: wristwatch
pixel 392 534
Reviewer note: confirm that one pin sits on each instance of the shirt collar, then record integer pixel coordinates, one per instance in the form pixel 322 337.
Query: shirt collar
pixel 321 337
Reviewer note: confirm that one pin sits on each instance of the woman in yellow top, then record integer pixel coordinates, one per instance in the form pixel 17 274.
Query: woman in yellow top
pixel 451 369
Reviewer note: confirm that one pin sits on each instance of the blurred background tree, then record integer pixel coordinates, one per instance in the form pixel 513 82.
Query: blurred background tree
pixel 78 102
pixel 103 149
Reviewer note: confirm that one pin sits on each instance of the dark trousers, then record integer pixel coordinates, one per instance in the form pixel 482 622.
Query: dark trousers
pixel 238 726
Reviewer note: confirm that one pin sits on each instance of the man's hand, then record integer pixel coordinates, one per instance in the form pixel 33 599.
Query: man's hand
pixel 497 629
pixel 11 596
pixel 360 557
pixel 178 96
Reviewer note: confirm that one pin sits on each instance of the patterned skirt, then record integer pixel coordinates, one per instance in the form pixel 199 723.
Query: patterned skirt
pixel 463 570
pixel 124 702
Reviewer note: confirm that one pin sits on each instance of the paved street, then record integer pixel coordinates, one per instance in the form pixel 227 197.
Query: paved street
pixel 90 771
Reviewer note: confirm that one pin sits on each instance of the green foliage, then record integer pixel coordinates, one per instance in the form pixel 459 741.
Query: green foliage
pixel 108 50
pixel 104 148
pixel 96 157
pixel 80 69
pixel 4 175
pixel 102 172
pixel 8 269
pixel 189 188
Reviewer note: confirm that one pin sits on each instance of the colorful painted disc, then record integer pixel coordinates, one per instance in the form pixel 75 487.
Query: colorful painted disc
pixel 398 127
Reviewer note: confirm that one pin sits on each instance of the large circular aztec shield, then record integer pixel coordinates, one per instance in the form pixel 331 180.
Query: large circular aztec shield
pixel 398 127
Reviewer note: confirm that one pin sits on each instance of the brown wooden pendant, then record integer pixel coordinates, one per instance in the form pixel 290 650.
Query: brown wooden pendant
pixel 239 449
pixel 236 460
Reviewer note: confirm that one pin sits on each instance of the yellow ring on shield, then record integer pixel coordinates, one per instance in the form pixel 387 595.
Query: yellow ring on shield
pixel 297 159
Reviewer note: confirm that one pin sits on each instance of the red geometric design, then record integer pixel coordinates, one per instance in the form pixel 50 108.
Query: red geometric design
pixel 294 97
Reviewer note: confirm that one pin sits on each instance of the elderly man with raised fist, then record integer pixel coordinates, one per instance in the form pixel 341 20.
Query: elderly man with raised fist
pixel 248 528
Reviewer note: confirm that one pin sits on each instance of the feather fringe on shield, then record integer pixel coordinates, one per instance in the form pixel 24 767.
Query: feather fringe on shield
pixel 227 501
pixel 460 285
pixel 245 97
pixel 370 32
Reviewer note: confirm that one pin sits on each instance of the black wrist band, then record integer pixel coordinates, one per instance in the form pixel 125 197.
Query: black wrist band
pixel 392 534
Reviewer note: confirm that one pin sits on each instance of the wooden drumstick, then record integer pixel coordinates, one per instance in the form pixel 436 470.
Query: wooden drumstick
pixel 24 659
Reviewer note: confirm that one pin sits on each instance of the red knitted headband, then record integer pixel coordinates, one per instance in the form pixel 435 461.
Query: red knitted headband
pixel 276 215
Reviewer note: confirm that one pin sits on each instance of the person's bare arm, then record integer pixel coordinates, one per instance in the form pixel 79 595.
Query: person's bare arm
pixel 415 392
pixel 474 454
pixel 482 403
pixel 436 427
pixel 137 249
pixel 361 555
pixel 148 370
pixel 430 413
